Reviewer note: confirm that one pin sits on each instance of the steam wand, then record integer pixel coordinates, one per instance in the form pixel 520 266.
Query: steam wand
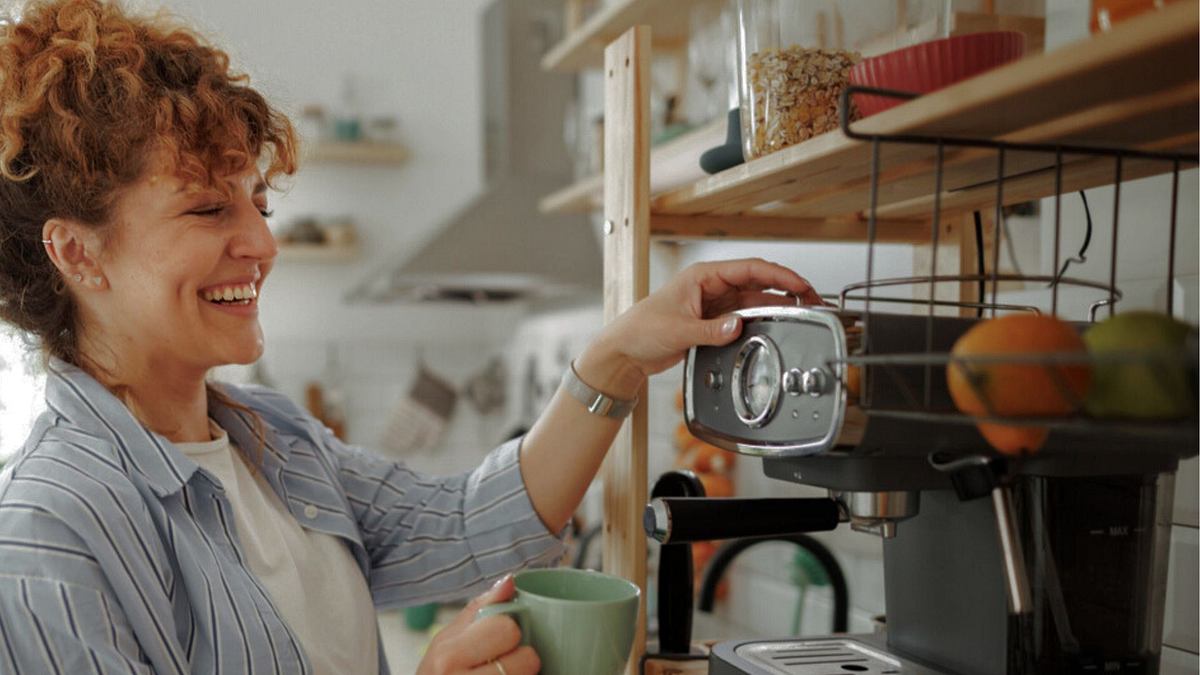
pixel 977 476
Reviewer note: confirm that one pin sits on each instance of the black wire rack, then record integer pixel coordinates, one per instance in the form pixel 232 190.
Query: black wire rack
pixel 918 392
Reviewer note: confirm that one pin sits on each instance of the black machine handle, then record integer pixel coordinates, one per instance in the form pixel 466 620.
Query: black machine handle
pixel 672 520
pixel 675 571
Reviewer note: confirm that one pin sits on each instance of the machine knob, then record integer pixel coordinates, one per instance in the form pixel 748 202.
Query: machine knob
pixel 712 380
pixel 812 381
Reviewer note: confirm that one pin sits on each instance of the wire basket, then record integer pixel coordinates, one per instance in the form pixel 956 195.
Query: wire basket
pixel 914 374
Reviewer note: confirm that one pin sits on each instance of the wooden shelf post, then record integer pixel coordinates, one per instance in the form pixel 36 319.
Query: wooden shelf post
pixel 627 280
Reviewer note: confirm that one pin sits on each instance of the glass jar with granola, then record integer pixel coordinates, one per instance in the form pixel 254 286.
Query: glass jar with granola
pixel 794 60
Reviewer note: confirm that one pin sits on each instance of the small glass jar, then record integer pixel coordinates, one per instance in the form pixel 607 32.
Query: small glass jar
pixel 794 60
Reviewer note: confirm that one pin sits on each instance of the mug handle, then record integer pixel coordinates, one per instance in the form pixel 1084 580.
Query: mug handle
pixel 516 609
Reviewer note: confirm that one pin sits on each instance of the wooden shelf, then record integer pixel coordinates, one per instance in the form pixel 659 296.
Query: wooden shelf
pixel 584 48
pixel 318 253
pixel 1136 87
pixel 583 196
pixel 357 152
pixel 673 164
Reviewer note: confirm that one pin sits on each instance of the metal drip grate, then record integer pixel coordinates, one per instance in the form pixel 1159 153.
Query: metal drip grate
pixel 820 657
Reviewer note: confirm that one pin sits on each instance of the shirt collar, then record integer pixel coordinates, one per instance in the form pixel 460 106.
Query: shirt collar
pixel 87 405
pixel 241 429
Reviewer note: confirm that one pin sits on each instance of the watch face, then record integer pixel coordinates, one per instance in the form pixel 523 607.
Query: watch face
pixel 775 391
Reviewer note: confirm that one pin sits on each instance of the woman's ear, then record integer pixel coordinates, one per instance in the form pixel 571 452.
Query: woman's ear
pixel 74 249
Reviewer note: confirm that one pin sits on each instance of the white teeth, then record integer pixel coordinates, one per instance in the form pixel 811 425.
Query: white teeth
pixel 243 293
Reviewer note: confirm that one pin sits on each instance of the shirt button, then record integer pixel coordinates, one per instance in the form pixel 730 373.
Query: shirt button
pixel 310 512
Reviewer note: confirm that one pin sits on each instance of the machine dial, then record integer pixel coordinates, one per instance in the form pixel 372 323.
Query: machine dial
pixel 757 375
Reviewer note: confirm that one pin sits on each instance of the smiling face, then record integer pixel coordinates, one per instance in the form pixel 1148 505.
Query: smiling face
pixel 180 272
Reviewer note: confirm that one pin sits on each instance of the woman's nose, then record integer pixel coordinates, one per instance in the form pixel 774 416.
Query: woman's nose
pixel 254 238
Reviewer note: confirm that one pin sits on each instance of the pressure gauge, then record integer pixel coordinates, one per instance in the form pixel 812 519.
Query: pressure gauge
pixel 757 372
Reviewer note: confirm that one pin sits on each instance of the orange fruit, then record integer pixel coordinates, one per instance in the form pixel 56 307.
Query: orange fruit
pixel 1021 387
pixel 1013 440
pixel 853 382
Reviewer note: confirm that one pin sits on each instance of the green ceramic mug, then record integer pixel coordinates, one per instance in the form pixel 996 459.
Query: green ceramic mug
pixel 580 622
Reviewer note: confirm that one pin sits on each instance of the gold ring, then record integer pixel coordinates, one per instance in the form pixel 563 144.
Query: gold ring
pixel 500 667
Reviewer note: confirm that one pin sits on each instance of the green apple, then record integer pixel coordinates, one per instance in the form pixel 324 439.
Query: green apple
pixel 1142 367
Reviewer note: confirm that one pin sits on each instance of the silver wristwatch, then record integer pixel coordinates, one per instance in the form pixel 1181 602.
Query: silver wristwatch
pixel 597 402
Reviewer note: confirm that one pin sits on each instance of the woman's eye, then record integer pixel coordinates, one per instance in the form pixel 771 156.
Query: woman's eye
pixel 208 211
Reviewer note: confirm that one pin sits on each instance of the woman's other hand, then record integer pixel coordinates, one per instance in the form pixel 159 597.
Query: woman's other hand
pixel 693 308
pixel 467 646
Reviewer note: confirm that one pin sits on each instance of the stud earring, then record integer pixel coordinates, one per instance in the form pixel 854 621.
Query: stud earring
pixel 97 280
pixel 78 278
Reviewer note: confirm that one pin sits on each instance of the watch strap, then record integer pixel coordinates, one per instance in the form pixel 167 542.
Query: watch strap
pixel 596 401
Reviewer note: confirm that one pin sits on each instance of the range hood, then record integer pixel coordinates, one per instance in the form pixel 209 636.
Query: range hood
pixel 500 247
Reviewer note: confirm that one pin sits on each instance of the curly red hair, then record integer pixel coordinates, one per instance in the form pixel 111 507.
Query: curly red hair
pixel 89 93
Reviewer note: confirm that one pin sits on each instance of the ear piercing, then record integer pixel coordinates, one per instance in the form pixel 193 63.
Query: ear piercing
pixel 47 242
pixel 96 281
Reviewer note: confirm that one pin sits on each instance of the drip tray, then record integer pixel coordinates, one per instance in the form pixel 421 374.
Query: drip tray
pixel 824 656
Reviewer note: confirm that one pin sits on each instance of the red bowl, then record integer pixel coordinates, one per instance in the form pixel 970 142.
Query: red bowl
pixel 930 66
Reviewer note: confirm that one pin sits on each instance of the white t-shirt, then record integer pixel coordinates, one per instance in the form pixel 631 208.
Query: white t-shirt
pixel 311 577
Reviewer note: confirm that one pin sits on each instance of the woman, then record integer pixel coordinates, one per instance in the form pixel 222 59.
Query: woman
pixel 158 523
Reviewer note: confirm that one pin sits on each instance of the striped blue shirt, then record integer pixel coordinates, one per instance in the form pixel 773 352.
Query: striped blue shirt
pixel 117 553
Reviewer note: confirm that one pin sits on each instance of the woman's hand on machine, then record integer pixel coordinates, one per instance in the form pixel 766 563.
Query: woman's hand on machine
pixel 693 308
pixel 467 646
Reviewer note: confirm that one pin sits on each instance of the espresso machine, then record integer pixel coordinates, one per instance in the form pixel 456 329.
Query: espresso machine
pixel 1054 562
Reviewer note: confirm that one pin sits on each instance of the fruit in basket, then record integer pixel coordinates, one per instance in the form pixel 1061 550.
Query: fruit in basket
pixel 1141 369
pixel 853 383
pixel 1020 386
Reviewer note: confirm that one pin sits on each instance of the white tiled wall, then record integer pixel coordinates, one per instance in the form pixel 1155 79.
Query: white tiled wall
pixel 1179 662
pixel 1179 628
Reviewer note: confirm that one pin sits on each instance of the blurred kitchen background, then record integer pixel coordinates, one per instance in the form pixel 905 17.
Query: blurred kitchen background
pixel 424 307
